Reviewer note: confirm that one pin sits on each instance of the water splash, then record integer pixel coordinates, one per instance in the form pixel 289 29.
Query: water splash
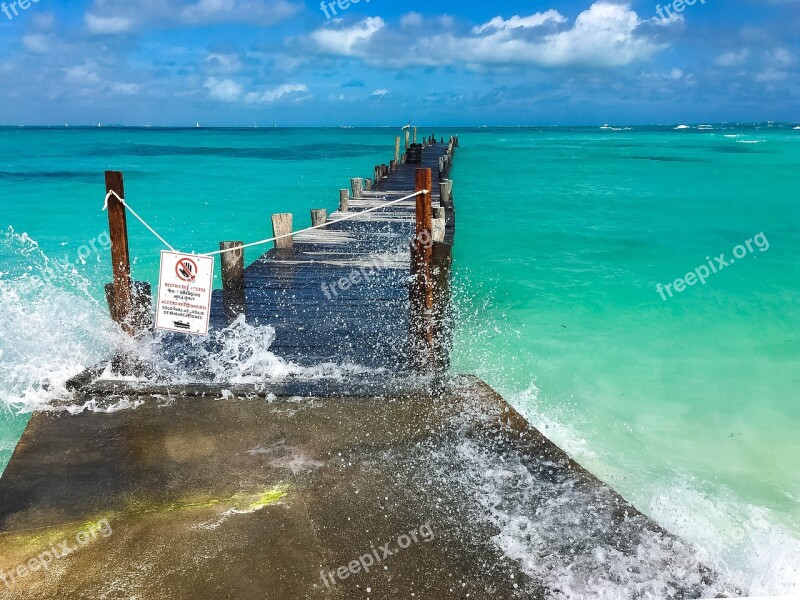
pixel 51 328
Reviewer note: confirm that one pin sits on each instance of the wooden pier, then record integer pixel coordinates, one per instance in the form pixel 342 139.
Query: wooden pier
pixel 371 486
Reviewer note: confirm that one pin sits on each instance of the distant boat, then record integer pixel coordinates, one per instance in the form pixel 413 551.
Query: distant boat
pixel 683 127
pixel 198 125
pixel 705 127
pixel 406 126
pixel 99 125
pixel 798 127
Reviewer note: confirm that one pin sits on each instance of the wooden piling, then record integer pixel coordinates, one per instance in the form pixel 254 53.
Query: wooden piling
pixel 232 269
pixel 120 256
pixel 438 229
pixel 439 223
pixel 356 185
pixel 141 316
pixel 421 289
pixel 392 166
pixel 368 185
pixel 318 216
pixel 408 143
pixel 282 225
pixel 444 192
pixel 415 135
pixel 397 150
pixel 344 200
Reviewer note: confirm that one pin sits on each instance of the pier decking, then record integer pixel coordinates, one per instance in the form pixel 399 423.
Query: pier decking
pixel 283 490
pixel 297 290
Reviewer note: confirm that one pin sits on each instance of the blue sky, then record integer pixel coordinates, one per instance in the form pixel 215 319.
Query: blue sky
pixel 383 62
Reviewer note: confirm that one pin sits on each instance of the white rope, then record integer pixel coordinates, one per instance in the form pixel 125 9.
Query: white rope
pixel 320 226
pixel 133 212
pixel 272 239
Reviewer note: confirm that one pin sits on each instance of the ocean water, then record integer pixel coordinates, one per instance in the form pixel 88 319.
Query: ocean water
pixel 687 402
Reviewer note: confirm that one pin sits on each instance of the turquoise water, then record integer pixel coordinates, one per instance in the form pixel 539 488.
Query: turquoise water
pixel 688 405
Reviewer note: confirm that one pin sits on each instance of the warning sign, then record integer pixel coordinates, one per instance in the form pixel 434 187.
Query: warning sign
pixel 184 293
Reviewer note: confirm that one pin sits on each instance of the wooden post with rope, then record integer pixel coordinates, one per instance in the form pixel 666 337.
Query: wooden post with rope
pixel 121 300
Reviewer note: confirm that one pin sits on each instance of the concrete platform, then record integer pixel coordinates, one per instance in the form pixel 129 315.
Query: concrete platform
pixel 237 498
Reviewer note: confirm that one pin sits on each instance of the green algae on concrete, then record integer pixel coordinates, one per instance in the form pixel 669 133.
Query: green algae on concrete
pixel 239 501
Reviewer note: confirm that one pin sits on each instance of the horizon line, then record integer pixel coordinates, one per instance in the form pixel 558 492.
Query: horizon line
pixel 462 126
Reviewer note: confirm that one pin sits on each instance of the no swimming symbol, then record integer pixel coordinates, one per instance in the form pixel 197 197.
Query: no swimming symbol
pixel 186 270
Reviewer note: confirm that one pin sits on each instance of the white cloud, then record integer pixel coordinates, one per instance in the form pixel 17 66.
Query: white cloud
pixel 225 90
pixel 517 22
pixel 125 89
pixel 83 74
pixel 107 25
pixel 771 76
pixel 603 35
pixel 675 74
pixel 287 89
pixel 781 56
pixel 44 20
pixel 666 21
pixel 36 43
pixel 223 63
pixel 119 16
pixel 380 93
pixel 732 59
pixel 347 41
pixel 606 35
pixel 412 19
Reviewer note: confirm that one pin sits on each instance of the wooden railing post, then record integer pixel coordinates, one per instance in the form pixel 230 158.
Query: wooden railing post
pixel 439 223
pixel 232 268
pixel 318 216
pixel 421 290
pixel 356 184
pixel 445 192
pixel 282 225
pixel 120 256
